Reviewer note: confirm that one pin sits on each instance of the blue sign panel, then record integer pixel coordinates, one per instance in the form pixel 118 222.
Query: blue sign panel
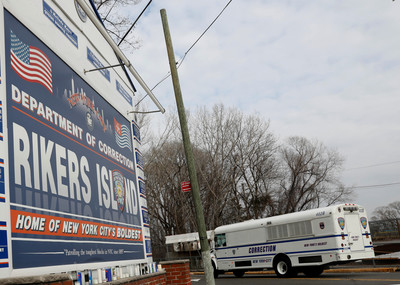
pixel 145 214
pixel 2 188
pixel 142 186
pixel 3 249
pixel 136 132
pixel 73 191
pixel 97 63
pixel 139 159
pixel 60 24
pixel 123 92
pixel 1 120
pixel 148 247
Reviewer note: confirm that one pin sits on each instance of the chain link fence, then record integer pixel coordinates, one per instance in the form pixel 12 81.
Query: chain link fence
pixel 385 229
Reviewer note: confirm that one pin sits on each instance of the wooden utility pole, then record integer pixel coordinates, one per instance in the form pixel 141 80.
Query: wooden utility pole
pixel 201 226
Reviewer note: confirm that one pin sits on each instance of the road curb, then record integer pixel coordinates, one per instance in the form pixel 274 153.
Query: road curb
pixel 334 270
pixel 369 269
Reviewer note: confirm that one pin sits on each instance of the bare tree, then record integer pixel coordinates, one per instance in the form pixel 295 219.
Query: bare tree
pixel 309 176
pixel 116 21
pixel 254 167
pixel 240 169
pixel 388 212
pixel 167 203
pixel 243 173
pixel 214 132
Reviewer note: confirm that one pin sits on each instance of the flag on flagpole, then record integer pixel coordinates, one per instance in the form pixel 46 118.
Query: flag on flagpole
pixel 30 63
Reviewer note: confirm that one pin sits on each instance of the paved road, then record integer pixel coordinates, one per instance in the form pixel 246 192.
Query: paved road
pixel 362 278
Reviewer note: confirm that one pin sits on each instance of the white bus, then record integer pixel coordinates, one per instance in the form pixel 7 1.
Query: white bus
pixel 307 242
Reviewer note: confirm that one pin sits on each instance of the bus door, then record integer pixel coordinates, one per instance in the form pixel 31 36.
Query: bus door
pixel 353 226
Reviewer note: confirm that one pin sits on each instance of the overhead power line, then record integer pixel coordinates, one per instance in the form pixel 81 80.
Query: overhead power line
pixel 374 165
pixel 376 185
pixel 134 23
pixel 205 31
pixel 179 63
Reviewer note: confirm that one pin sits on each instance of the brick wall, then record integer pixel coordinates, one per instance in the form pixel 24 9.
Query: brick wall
pixel 178 272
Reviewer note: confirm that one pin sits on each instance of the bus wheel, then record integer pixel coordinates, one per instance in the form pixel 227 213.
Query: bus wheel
pixel 238 273
pixel 283 267
pixel 313 271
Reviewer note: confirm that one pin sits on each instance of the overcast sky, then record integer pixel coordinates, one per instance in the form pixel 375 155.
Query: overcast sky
pixel 325 70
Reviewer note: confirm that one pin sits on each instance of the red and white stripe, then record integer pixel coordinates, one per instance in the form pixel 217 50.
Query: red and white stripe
pixel 39 69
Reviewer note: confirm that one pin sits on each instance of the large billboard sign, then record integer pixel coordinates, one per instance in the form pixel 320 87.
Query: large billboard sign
pixel 70 177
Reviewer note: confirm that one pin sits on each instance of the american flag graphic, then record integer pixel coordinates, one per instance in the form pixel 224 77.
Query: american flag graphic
pixel 30 63
pixel 122 135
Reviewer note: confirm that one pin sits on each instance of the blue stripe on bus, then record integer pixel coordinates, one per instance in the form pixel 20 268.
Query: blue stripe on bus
pixel 317 250
pixel 285 241
pixel 282 241
pixel 291 252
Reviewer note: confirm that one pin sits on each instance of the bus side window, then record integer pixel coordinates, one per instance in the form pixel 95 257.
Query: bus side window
pixel 220 240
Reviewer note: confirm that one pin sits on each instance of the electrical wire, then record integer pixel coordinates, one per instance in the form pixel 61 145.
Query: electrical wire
pixel 179 62
pixel 205 31
pixel 374 165
pixel 375 186
pixel 134 23
pixel 109 11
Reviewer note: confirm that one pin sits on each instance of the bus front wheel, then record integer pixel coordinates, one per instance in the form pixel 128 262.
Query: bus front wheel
pixel 283 267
